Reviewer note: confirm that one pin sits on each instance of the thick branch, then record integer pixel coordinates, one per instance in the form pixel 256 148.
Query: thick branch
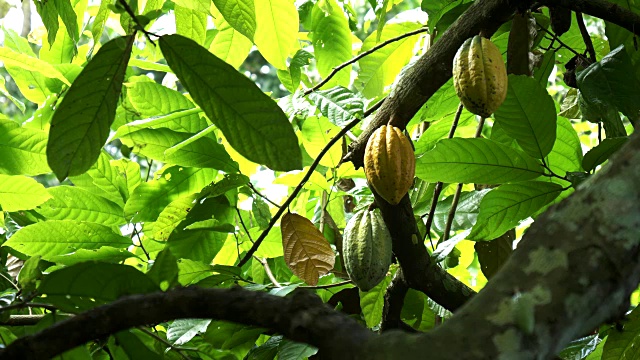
pixel 433 69
pixel 301 317
pixel 601 9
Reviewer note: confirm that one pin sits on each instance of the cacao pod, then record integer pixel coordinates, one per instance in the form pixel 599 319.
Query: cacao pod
pixel 479 76
pixel 367 249
pixel 389 163
pixel 560 19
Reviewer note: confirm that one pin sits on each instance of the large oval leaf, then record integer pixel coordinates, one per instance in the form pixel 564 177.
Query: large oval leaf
pixel 331 40
pixel 504 207
pixel 74 203
pixel 21 193
pixel 80 125
pixel 528 115
pixel 306 251
pixel 479 161
pixel 277 30
pixel 252 122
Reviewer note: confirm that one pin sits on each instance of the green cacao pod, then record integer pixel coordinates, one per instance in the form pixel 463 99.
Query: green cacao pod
pixel 389 163
pixel 367 249
pixel 479 76
pixel 560 19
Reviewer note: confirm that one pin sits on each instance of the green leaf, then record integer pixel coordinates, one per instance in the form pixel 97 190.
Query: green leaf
pixel 466 211
pixel 29 274
pixel 261 213
pixel 80 125
pixel 28 63
pixel 542 73
pixel 30 83
pixel 148 199
pixel 22 150
pixel 152 99
pixel 379 69
pixel 331 39
pixel 21 193
pixel 181 120
pixel 602 152
pixel 191 23
pixel 291 350
pixel 164 271
pixel 277 30
pixel 107 179
pixel 58 237
pixel 372 302
pixel 198 5
pixel 290 77
pixel 339 104
pixel 479 161
pixel 504 207
pixel 100 20
pixel 85 285
pixel 566 154
pixel 229 336
pixel 528 115
pixel 416 312
pixel 74 203
pixel 172 215
pixel 49 15
pixel 316 133
pixel 68 16
pixel 181 331
pixel 3 90
pixel 624 344
pixel 612 82
pixel 104 254
pixel 240 14
pixel 229 45
pixel 133 347
pixel 252 123
pixel 493 254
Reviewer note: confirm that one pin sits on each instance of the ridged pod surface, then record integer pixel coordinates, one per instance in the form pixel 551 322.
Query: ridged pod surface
pixel 367 249
pixel 479 76
pixel 389 163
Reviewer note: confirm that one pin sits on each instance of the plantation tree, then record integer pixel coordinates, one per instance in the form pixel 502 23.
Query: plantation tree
pixel 182 191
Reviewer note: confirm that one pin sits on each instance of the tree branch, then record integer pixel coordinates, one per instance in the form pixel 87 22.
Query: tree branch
pixel 601 9
pixel 301 317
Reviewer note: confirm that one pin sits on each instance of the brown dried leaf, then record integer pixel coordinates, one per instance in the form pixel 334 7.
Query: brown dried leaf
pixel 306 251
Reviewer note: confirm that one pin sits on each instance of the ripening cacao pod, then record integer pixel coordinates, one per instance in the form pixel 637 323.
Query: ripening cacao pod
pixel 367 249
pixel 389 163
pixel 479 76
pixel 560 19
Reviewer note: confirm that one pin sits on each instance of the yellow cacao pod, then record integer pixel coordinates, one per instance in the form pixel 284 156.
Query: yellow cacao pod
pixel 389 163
pixel 479 76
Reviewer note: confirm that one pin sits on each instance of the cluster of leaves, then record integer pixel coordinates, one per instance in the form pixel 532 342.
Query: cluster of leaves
pixel 121 183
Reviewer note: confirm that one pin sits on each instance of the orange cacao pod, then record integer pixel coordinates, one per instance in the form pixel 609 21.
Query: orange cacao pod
pixel 389 163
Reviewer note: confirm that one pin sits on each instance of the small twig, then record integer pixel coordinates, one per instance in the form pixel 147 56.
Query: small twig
pixel 327 286
pixel 10 281
pixel 250 185
pixel 28 305
pixel 140 245
pixel 585 36
pixel 246 230
pixel 133 16
pixel 562 44
pixel 163 341
pixel 304 180
pixel 438 188
pixel 267 269
pixel 149 164
pixel 361 55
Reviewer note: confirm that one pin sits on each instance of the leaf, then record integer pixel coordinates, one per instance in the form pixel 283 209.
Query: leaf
pixel 104 178
pixel 306 251
pixel 291 350
pixel 240 14
pixel 198 5
pixel 277 30
pixel 80 125
pixel 22 150
pixel 164 271
pixel 31 84
pixel 28 63
pixel 528 115
pixel 49 15
pixel 148 199
pixel 133 347
pixel 228 44
pixel 252 123
pixel 100 20
pixel 58 237
pixel 85 285
pixel 479 161
pixel 466 211
pixel 372 302
pixel 261 213
pixel 316 133
pixel 68 16
pixel 181 331
pixel 542 73
pixel 3 90
pixel 505 206
pixel 19 192
pixel 379 69
pixel 29 274
pixel 331 39
pixel 290 77
pixel 103 254
pixel 602 152
pixel 191 23
pixel 493 254
pixel 612 82
pixel 338 104
pixel 74 203
pixel 172 215
pixel 624 344
pixel 566 154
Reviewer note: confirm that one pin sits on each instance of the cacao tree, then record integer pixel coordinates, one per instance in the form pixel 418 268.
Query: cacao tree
pixel 252 179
